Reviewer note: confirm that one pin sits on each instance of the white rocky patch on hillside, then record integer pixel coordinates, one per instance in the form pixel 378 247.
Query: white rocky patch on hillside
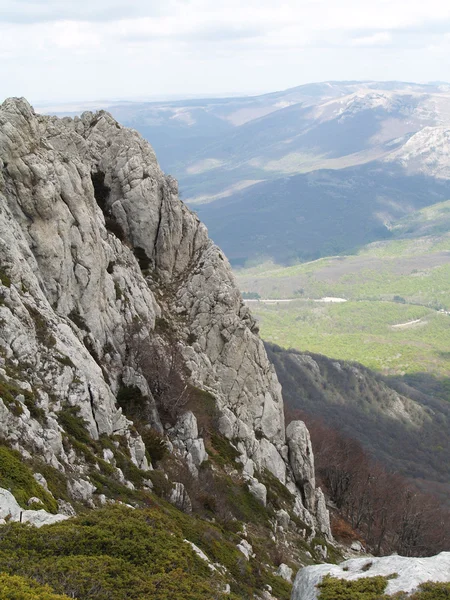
pixel 427 152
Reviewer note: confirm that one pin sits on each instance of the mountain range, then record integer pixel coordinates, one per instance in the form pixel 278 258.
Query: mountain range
pixel 326 166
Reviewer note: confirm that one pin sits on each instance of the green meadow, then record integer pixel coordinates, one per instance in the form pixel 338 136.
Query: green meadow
pixel 397 295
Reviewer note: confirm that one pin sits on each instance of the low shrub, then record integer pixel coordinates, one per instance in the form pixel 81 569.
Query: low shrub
pixel 73 424
pixel 13 587
pixel 154 443
pixel 372 588
pixel 113 553
pixel 17 477
pixel 365 588
pixel 223 452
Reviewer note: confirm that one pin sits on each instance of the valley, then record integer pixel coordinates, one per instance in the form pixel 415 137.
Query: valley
pixel 395 318
pixel 224 300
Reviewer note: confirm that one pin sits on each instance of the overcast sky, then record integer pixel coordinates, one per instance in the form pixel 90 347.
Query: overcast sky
pixel 98 49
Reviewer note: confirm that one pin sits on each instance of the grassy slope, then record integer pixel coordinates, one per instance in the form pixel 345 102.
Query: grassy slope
pixel 386 284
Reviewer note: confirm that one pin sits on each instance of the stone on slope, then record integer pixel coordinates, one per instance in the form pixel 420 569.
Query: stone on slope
pixel 411 572
pixel 10 510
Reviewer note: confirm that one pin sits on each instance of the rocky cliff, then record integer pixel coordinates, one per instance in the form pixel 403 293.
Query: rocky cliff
pixel 112 296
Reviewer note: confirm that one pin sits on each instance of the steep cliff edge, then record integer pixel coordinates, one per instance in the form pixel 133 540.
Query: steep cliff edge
pixel 112 296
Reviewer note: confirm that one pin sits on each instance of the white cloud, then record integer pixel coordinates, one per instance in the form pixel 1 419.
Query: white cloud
pixel 380 38
pixel 117 48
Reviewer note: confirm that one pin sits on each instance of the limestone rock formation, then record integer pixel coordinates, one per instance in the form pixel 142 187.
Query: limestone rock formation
pixel 411 572
pixel 104 272
pixel 11 511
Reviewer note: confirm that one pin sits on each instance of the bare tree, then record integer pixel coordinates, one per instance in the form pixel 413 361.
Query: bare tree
pixel 162 364
pixel 384 508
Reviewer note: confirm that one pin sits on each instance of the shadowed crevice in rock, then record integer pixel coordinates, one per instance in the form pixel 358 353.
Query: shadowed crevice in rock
pixel 101 191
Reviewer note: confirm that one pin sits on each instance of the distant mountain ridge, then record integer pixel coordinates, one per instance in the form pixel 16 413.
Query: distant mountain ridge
pixel 259 168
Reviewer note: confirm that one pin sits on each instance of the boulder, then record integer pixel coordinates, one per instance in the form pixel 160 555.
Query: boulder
pixel 11 511
pixel 285 572
pixel 258 490
pixel 180 498
pixel 410 573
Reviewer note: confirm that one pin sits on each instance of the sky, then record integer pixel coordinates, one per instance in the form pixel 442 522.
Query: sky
pixel 54 51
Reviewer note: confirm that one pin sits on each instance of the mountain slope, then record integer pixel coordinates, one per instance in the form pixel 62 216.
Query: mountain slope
pixel 403 428
pixel 393 310
pixel 317 214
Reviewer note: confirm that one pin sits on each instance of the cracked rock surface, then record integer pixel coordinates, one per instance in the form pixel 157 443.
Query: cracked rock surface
pixel 93 242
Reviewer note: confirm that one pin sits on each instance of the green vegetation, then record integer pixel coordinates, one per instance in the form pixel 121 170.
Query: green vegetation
pixel 361 404
pixel 8 393
pixel 118 553
pixel 372 588
pixel 109 554
pixel 277 494
pixel 366 588
pixel 155 445
pixel 131 401
pixel 223 452
pixel 102 473
pixel 56 481
pixel 389 337
pixel 13 587
pixel 5 279
pixel 17 477
pixel 395 319
pixel 74 424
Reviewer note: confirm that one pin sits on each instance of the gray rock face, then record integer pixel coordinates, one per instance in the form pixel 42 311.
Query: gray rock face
pixel 301 459
pixel 322 514
pixel 411 572
pixel 180 498
pixel 187 442
pixel 96 250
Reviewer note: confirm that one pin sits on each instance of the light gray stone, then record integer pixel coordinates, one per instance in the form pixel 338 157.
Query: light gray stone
pixel 180 498
pixel 11 511
pixel 199 552
pixel 322 515
pixel 268 457
pixel 285 572
pixel 198 452
pixel 302 461
pixel 258 490
pixel 283 518
pixel 246 549
pixel 186 427
pixel 411 572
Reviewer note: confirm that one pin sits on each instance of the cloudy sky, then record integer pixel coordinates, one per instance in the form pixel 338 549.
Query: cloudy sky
pixel 109 49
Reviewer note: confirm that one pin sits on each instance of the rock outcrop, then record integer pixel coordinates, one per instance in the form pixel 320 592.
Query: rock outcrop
pixel 103 270
pixel 410 573
pixel 10 510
